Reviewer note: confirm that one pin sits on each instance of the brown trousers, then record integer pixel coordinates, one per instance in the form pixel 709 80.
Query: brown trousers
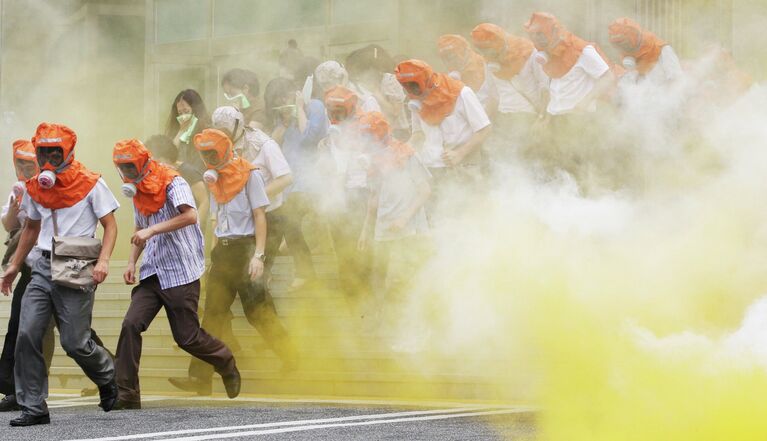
pixel 180 304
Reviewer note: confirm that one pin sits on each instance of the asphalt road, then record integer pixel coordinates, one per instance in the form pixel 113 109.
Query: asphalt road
pixel 193 419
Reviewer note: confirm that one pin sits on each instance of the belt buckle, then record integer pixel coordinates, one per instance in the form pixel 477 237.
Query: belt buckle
pixel 225 242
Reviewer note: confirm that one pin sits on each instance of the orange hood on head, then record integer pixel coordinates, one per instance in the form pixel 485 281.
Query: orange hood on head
pixel 339 97
pixel 153 180
pixel 562 46
pixel 395 154
pixel 513 51
pixel 632 41
pixel 472 67
pixel 23 150
pixel 233 173
pixel 439 91
pixel 73 180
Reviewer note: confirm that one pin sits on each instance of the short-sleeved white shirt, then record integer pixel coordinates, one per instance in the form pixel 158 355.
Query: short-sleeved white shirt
pixel 520 94
pixel 22 217
pixel 569 90
pixel 264 152
pixel 398 189
pixel 667 69
pixel 467 118
pixel 235 218
pixel 79 220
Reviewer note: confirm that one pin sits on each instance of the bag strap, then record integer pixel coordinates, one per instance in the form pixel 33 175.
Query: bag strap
pixel 55 223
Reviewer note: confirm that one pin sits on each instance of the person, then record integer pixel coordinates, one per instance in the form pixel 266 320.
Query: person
pixel 259 149
pixel 71 199
pixel 460 60
pixel 515 91
pixel 348 192
pixel 396 215
pixel 167 233
pixel 298 128
pixel 449 126
pixel 13 218
pixel 241 89
pixel 188 117
pixel 645 56
pixel 239 200
pixel 581 76
pixel 371 73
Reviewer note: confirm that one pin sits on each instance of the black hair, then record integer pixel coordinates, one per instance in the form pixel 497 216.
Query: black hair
pixel 191 97
pixel 240 78
pixel 372 57
pixel 162 147
pixel 275 90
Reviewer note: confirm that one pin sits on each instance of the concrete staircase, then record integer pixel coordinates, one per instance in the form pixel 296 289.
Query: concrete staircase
pixel 337 358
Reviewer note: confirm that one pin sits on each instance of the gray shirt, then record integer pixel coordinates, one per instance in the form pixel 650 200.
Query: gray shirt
pixel 398 189
pixel 235 218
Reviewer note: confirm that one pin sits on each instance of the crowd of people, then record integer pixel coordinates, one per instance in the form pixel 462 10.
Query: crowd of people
pixel 372 148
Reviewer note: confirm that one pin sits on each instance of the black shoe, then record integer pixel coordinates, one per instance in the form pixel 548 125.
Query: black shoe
pixel 30 420
pixel 127 405
pixel 108 396
pixel 232 383
pixel 9 404
pixel 192 384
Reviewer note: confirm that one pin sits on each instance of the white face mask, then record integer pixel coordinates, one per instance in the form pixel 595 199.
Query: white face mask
pixel 493 67
pixel 414 105
pixel 129 189
pixel 184 117
pixel 541 57
pixel 630 63
pixel 46 179
pixel 210 176
pixel 18 190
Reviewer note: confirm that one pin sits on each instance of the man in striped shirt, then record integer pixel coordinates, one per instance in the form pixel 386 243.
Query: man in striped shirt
pixel 168 234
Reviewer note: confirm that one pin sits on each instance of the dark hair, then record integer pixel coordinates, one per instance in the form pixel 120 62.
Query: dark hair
pixel 369 57
pixel 276 89
pixel 293 44
pixel 191 97
pixel 162 146
pixel 240 78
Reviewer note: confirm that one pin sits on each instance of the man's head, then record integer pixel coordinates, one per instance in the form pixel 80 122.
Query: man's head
pixel 490 40
pixel 545 31
pixel 131 158
pixel 626 35
pixel 375 126
pixel 415 76
pixel 54 146
pixel 341 104
pixel 230 121
pixel 241 88
pixel 215 148
pixel 24 159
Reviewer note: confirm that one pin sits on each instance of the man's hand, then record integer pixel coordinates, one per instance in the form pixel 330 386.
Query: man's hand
pixel 453 157
pixel 256 268
pixel 141 236
pixel 130 274
pixel 8 277
pixel 101 271
pixel 14 207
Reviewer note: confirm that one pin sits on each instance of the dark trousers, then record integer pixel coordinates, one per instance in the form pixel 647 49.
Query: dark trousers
pixel 276 221
pixel 228 276
pixel 180 305
pixel 354 266
pixel 297 207
pixel 7 359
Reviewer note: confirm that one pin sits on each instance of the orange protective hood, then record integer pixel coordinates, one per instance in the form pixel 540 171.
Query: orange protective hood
pixel 153 180
pixel 339 98
pixel 23 150
pixel 439 91
pixel 628 37
pixel 471 65
pixel 233 173
pixel 395 154
pixel 73 180
pixel 513 51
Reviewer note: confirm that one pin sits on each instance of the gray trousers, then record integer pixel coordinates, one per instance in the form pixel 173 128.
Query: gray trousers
pixel 73 309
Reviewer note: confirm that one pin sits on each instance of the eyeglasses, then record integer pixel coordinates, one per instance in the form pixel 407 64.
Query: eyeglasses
pixel 128 171
pixel 50 155
pixel 211 157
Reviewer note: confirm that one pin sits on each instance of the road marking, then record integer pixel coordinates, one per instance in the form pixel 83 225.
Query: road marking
pixel 300 423
pixel 337 425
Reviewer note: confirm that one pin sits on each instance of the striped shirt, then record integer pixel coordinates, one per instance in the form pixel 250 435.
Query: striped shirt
pixel 177 257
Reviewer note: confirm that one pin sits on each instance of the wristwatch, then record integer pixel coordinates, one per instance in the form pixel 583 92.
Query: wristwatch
pixel 260 256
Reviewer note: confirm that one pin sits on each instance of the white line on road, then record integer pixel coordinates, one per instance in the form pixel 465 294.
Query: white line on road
pixel 300 423
pixel 336 425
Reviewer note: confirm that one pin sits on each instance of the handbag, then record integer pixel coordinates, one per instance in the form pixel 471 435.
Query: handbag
pixel 73 259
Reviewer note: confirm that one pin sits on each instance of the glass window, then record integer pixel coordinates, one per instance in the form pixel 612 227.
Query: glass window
pixel 181 20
